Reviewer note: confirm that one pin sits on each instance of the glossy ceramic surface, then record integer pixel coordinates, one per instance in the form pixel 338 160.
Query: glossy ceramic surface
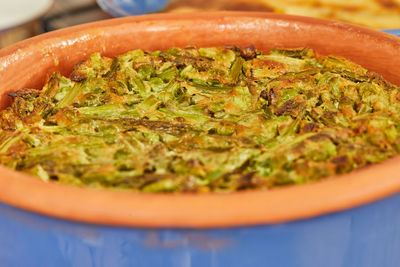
pixel 240 229
pixel 367 236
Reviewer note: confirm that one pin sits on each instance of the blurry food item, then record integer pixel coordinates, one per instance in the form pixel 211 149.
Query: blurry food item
pixel 380 14
pixel 195 5
pixel 198 120
pixel 19 33
pixel 72 12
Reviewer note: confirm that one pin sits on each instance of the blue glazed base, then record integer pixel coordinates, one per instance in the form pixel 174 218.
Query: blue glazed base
pixel 368 236
pixel 395 32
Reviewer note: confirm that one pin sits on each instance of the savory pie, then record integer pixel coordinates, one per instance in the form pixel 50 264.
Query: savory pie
pixel 202 119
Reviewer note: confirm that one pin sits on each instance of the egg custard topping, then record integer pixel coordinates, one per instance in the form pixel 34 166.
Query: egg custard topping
pixel 202 119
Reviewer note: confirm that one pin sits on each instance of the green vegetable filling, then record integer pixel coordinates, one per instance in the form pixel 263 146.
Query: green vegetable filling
pixel 198 120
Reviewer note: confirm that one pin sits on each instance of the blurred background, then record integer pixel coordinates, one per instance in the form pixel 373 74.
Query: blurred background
pixel 20 19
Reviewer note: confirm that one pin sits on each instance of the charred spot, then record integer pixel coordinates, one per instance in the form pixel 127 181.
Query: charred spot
pixel 180 92
pixel 247 181
pixel 189 48
pixel 193 162
pixel 360 129
pixel 248 52
pixel 329 116
pixel 149 178
pixel 20 108
pixel 53 177
pixel 189 59
pixel 179 62
pixel 78 76
pixel 352 76
pixel 161 126
pixel 290 107
pixel 201 64
pixel 148 168
pixel 211 113
pixel 264 94
pixel 25 93
pixel 47 110
pixel 232 47
pixel 115 66
pixel 295 52
pixel 311 93
pixel 272 96
pixel 163 55
pixel 340 162
pixel 212 131
pixel 310 127
pixel 357 106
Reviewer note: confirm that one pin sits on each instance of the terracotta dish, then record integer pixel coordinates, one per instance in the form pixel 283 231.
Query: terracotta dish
pixel 27 63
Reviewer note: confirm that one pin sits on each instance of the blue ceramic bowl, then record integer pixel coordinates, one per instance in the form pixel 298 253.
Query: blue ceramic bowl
pixel 123 8
pixel 347 221
pixel 366 236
